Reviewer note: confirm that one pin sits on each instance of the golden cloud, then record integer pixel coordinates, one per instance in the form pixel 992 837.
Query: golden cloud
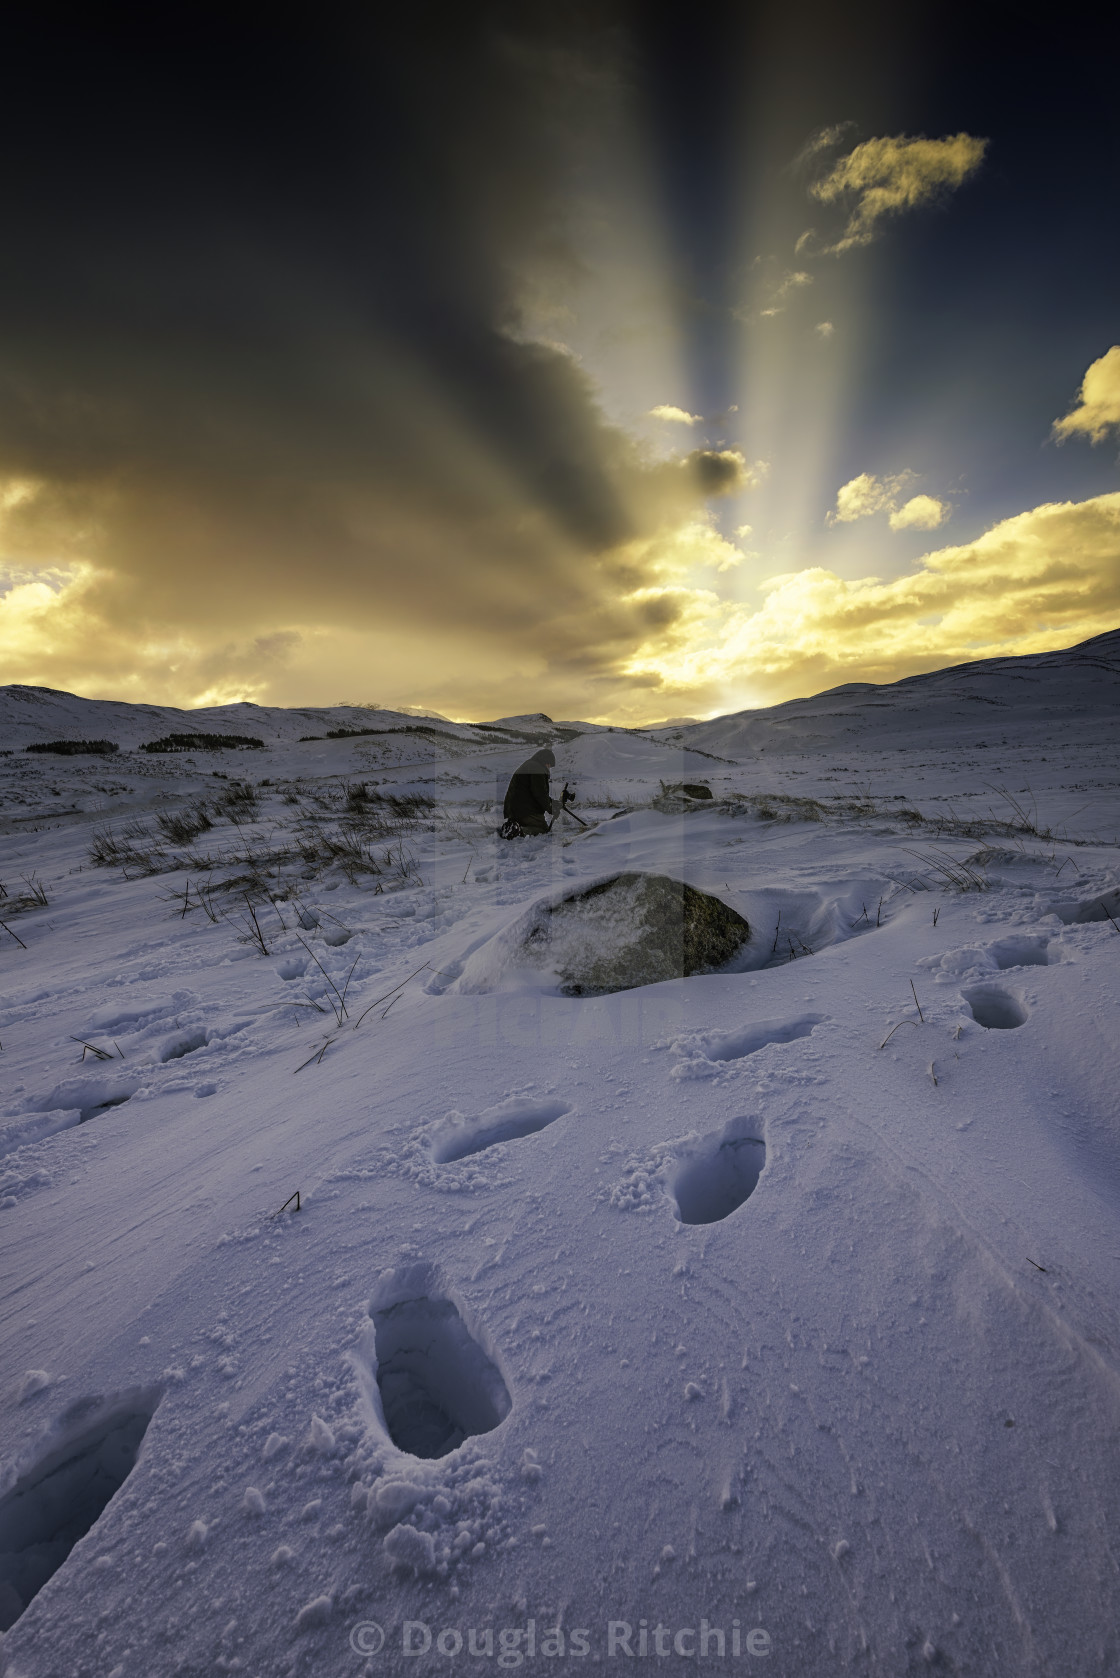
pixel 676 416
pixel 138 593
pixel 1048 577
pixel 885 177
pixel 641 627
pixel 1098 412
pixel 866 494
pixel 921 512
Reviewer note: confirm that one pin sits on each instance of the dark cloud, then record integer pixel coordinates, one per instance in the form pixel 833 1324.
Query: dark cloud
pixel 256 311
pixel 718 472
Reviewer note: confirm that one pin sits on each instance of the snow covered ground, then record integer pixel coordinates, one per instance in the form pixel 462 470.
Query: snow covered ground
pixel 777 1311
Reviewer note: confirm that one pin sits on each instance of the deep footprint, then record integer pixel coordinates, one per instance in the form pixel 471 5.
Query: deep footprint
pixel 994 1009
pixel 437 1384
pixel 1105 907
pixel 506 1122
pixel 88 1096
pixel 723 1172
pixel 1020 952
pixel 58 1501
pixel 184 1043
pixel 103 1107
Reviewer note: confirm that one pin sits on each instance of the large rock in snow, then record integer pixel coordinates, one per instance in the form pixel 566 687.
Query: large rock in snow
pixel 634 929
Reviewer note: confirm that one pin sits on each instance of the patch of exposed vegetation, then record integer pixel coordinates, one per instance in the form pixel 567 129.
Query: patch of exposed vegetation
pixel 183 827
pixel 339 824
pixel 75 748
pixel 204 743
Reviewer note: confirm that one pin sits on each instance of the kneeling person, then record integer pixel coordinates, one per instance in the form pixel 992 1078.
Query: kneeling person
pixel 529 801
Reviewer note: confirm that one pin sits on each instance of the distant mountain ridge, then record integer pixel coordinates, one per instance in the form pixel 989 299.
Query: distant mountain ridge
pixel 29 715
pixel 1079 682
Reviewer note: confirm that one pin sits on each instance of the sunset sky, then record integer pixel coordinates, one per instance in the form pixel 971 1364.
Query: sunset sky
pixel 621 362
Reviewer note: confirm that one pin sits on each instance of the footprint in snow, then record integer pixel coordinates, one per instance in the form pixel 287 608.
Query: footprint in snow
pixel 437 1384
pixel 1020 950
pixel 91 1452
pixel 89 1096
pixel 705 1052
pixel 508 1121
pixel 713 1178
pixel 705 1179
pixel 995 1009
pixel 1104 907
pixel 184 1043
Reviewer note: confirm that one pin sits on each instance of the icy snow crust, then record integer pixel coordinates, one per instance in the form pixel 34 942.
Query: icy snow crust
pixel 754 1300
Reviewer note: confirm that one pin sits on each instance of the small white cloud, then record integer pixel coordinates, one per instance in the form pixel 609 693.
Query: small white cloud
pixel 743 530
pixel 1099 410
pixel 921 512
pixel 677 416
pixel 824 329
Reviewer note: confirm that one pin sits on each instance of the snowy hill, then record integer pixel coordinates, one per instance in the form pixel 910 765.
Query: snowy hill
pixel 1080 683
pixel 30 714
pixel 764 1319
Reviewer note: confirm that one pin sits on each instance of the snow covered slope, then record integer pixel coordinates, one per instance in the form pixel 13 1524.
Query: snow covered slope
pixel 977 701
pixel 767 1320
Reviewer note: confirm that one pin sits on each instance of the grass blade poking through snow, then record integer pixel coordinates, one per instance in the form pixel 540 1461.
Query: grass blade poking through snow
pixel 339 1004
pixel 957 873
pixel 394 993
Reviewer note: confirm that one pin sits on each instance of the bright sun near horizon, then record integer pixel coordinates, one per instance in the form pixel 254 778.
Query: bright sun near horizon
pixel 530 359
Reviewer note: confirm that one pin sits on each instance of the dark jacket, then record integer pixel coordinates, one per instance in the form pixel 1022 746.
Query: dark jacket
pixel 528 801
